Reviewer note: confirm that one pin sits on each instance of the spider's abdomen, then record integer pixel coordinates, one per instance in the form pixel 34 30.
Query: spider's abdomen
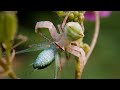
pixel 73 31
pixel 44 59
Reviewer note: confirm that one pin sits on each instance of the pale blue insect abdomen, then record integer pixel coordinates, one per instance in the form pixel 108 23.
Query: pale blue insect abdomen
pixel 45 58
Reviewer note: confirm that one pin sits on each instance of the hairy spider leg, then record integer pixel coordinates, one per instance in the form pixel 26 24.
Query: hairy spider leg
pixel 49 25
pixel 78 52
pixel 58 65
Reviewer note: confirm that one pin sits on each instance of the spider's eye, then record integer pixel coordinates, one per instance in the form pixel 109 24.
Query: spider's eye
pixel 73 31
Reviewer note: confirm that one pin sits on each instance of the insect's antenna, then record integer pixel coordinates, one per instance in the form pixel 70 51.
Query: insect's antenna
pixel 28 71
pixel 45 37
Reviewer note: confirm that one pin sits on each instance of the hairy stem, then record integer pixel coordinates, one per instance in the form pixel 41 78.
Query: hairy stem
pixel 96 33
pixel 77 69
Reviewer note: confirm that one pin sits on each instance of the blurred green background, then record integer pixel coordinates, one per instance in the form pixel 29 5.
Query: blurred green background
pixel 104 62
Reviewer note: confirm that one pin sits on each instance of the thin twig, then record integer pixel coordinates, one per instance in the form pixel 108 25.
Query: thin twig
pixel 22 38
pixel 96 33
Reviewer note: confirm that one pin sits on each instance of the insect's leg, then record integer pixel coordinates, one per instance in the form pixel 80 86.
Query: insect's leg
pixel 58 66
pixel 78 52
pixel 22 38
pixel 49 25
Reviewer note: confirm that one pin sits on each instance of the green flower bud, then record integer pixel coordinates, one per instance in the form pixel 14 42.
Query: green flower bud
pixel 73 31
pixel 10 26
pixel 71 16
pixel 60 13
pixel 1 27
pixel 76 13
pixel 80 11
pixel 81 18
pixel 86 48
pixel 76 19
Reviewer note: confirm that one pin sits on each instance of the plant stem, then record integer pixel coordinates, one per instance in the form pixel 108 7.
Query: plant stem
pixel 11 74
pixel 77 69
pixel 78 73
pixel 8 65
pixel 7 70
pixel 96 33
pixel 3 73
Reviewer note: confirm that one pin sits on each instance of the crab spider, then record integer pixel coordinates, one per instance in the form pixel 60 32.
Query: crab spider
pixel 68 34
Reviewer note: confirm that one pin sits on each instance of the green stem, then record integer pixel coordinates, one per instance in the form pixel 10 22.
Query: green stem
pixel 8 65
pixel 78 73
pixel 7 69
pixel 77 69
pixel 11 73
pixel 8 54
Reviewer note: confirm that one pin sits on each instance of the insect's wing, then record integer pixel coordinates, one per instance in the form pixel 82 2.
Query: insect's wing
pixel 34 47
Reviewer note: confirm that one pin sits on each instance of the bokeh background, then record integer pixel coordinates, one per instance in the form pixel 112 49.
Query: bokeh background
pixel 104 62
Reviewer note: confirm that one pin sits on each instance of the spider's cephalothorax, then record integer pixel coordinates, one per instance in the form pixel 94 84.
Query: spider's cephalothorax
pixel 72 31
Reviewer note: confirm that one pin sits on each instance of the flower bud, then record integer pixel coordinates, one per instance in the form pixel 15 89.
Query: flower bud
pixel 76 19
pixel 1 27
pixel 60 13
pixel 10 26
pixel 76 13
pixel 71 16
pixel 73 31
pixel 86 48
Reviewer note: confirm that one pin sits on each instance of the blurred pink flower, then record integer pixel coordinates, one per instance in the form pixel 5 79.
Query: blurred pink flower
pixel 89 15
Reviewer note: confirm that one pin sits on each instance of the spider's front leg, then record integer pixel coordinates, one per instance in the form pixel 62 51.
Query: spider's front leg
pixel 49 25
pixel 58 65
pixel 78 52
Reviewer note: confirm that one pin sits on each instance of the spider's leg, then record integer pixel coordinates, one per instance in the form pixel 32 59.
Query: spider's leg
pixel 58 66
pixel 78 52
pixel 49 25
pixel 22 40
pixel 64 21
pixel 60 29
pixel 67 55
pixel 12 55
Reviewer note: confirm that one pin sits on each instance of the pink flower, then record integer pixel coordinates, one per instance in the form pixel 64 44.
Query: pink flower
pixel 89 15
